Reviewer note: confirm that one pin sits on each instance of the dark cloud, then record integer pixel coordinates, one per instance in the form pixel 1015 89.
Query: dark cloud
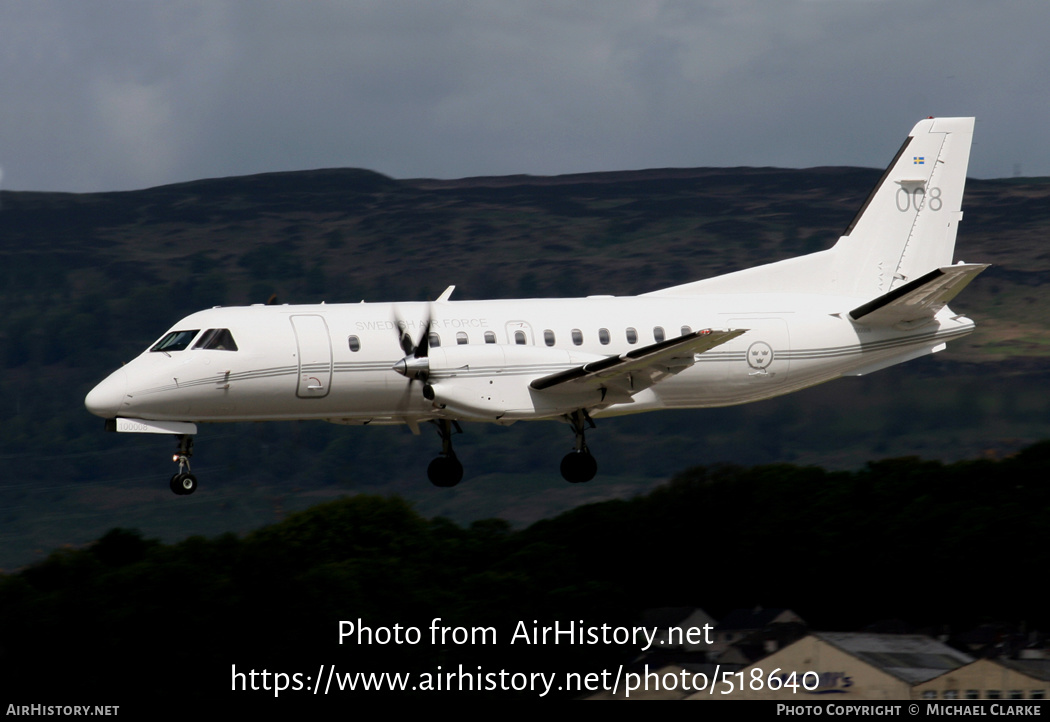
pixel 115 95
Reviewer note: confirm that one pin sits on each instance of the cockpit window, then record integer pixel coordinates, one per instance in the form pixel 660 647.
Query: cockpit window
pixel 175 341
pixel 217 339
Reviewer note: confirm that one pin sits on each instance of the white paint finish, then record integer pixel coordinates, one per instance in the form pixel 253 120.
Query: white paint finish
pixel 314 355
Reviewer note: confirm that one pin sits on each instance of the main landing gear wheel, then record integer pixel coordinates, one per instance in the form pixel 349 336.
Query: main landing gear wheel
pixel 445 471
pixel 183 484
pixel 578 465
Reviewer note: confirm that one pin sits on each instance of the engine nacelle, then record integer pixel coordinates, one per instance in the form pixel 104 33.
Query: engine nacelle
pixel 491 381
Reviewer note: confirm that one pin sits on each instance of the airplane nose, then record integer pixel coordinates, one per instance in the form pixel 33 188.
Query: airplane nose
pixel 106 399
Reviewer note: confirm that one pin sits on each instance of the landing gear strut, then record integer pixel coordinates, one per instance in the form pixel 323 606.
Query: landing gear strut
pixel 578 465
pixel 183 482
pixel 445 470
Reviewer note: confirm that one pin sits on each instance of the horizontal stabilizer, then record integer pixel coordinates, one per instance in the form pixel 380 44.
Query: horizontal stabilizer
pixel 918 299
pixel 642 367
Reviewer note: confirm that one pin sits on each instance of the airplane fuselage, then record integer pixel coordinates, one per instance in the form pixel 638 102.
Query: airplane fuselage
pixel 876 298
pixel 335 362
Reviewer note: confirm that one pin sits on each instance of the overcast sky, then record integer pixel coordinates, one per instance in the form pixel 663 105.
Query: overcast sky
pixel 99 95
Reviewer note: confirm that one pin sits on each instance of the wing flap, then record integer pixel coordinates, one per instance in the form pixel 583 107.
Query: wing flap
pixel 919 299
pixel 640 368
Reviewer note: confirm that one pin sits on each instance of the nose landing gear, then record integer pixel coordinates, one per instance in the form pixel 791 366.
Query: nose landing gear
pixel 183 483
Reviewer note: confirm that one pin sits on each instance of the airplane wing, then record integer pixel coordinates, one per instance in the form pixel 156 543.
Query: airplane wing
pixel 919 299
pixel 638 369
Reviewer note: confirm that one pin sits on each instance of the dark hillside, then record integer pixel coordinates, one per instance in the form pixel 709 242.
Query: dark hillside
pixel 902 539
pixel 87 281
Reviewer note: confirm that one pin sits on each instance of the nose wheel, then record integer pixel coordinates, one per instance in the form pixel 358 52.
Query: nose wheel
pixel 183 483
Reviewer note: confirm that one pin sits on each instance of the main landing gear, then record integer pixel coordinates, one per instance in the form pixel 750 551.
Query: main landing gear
pixel 183 482
pixel 446 470
pixel 578 465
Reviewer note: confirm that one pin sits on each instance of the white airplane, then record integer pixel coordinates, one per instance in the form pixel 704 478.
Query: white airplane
pixel 876 298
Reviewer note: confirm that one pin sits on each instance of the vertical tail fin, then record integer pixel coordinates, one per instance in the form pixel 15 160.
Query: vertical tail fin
pixel 907 226
pixel 903 231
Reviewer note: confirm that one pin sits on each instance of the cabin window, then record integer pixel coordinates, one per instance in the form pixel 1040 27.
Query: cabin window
pixel 632 335
pixel 686 330
pixel 217 339
pixel 519 338
pixel 548 337
pixel 175 341
pixel 603 336
pixel 355 343
pixel 461 337
pixel 490 337
pixel 434 339
pixel 577 337
pixel 658 334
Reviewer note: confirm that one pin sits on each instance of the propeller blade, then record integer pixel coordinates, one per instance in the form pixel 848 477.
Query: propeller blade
pixel 416 363
pixel 423 347
pixel 406 341
pixel 410 348
pixel 406 398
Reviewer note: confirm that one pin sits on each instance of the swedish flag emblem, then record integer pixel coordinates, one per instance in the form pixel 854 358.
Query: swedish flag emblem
pixel 919 160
